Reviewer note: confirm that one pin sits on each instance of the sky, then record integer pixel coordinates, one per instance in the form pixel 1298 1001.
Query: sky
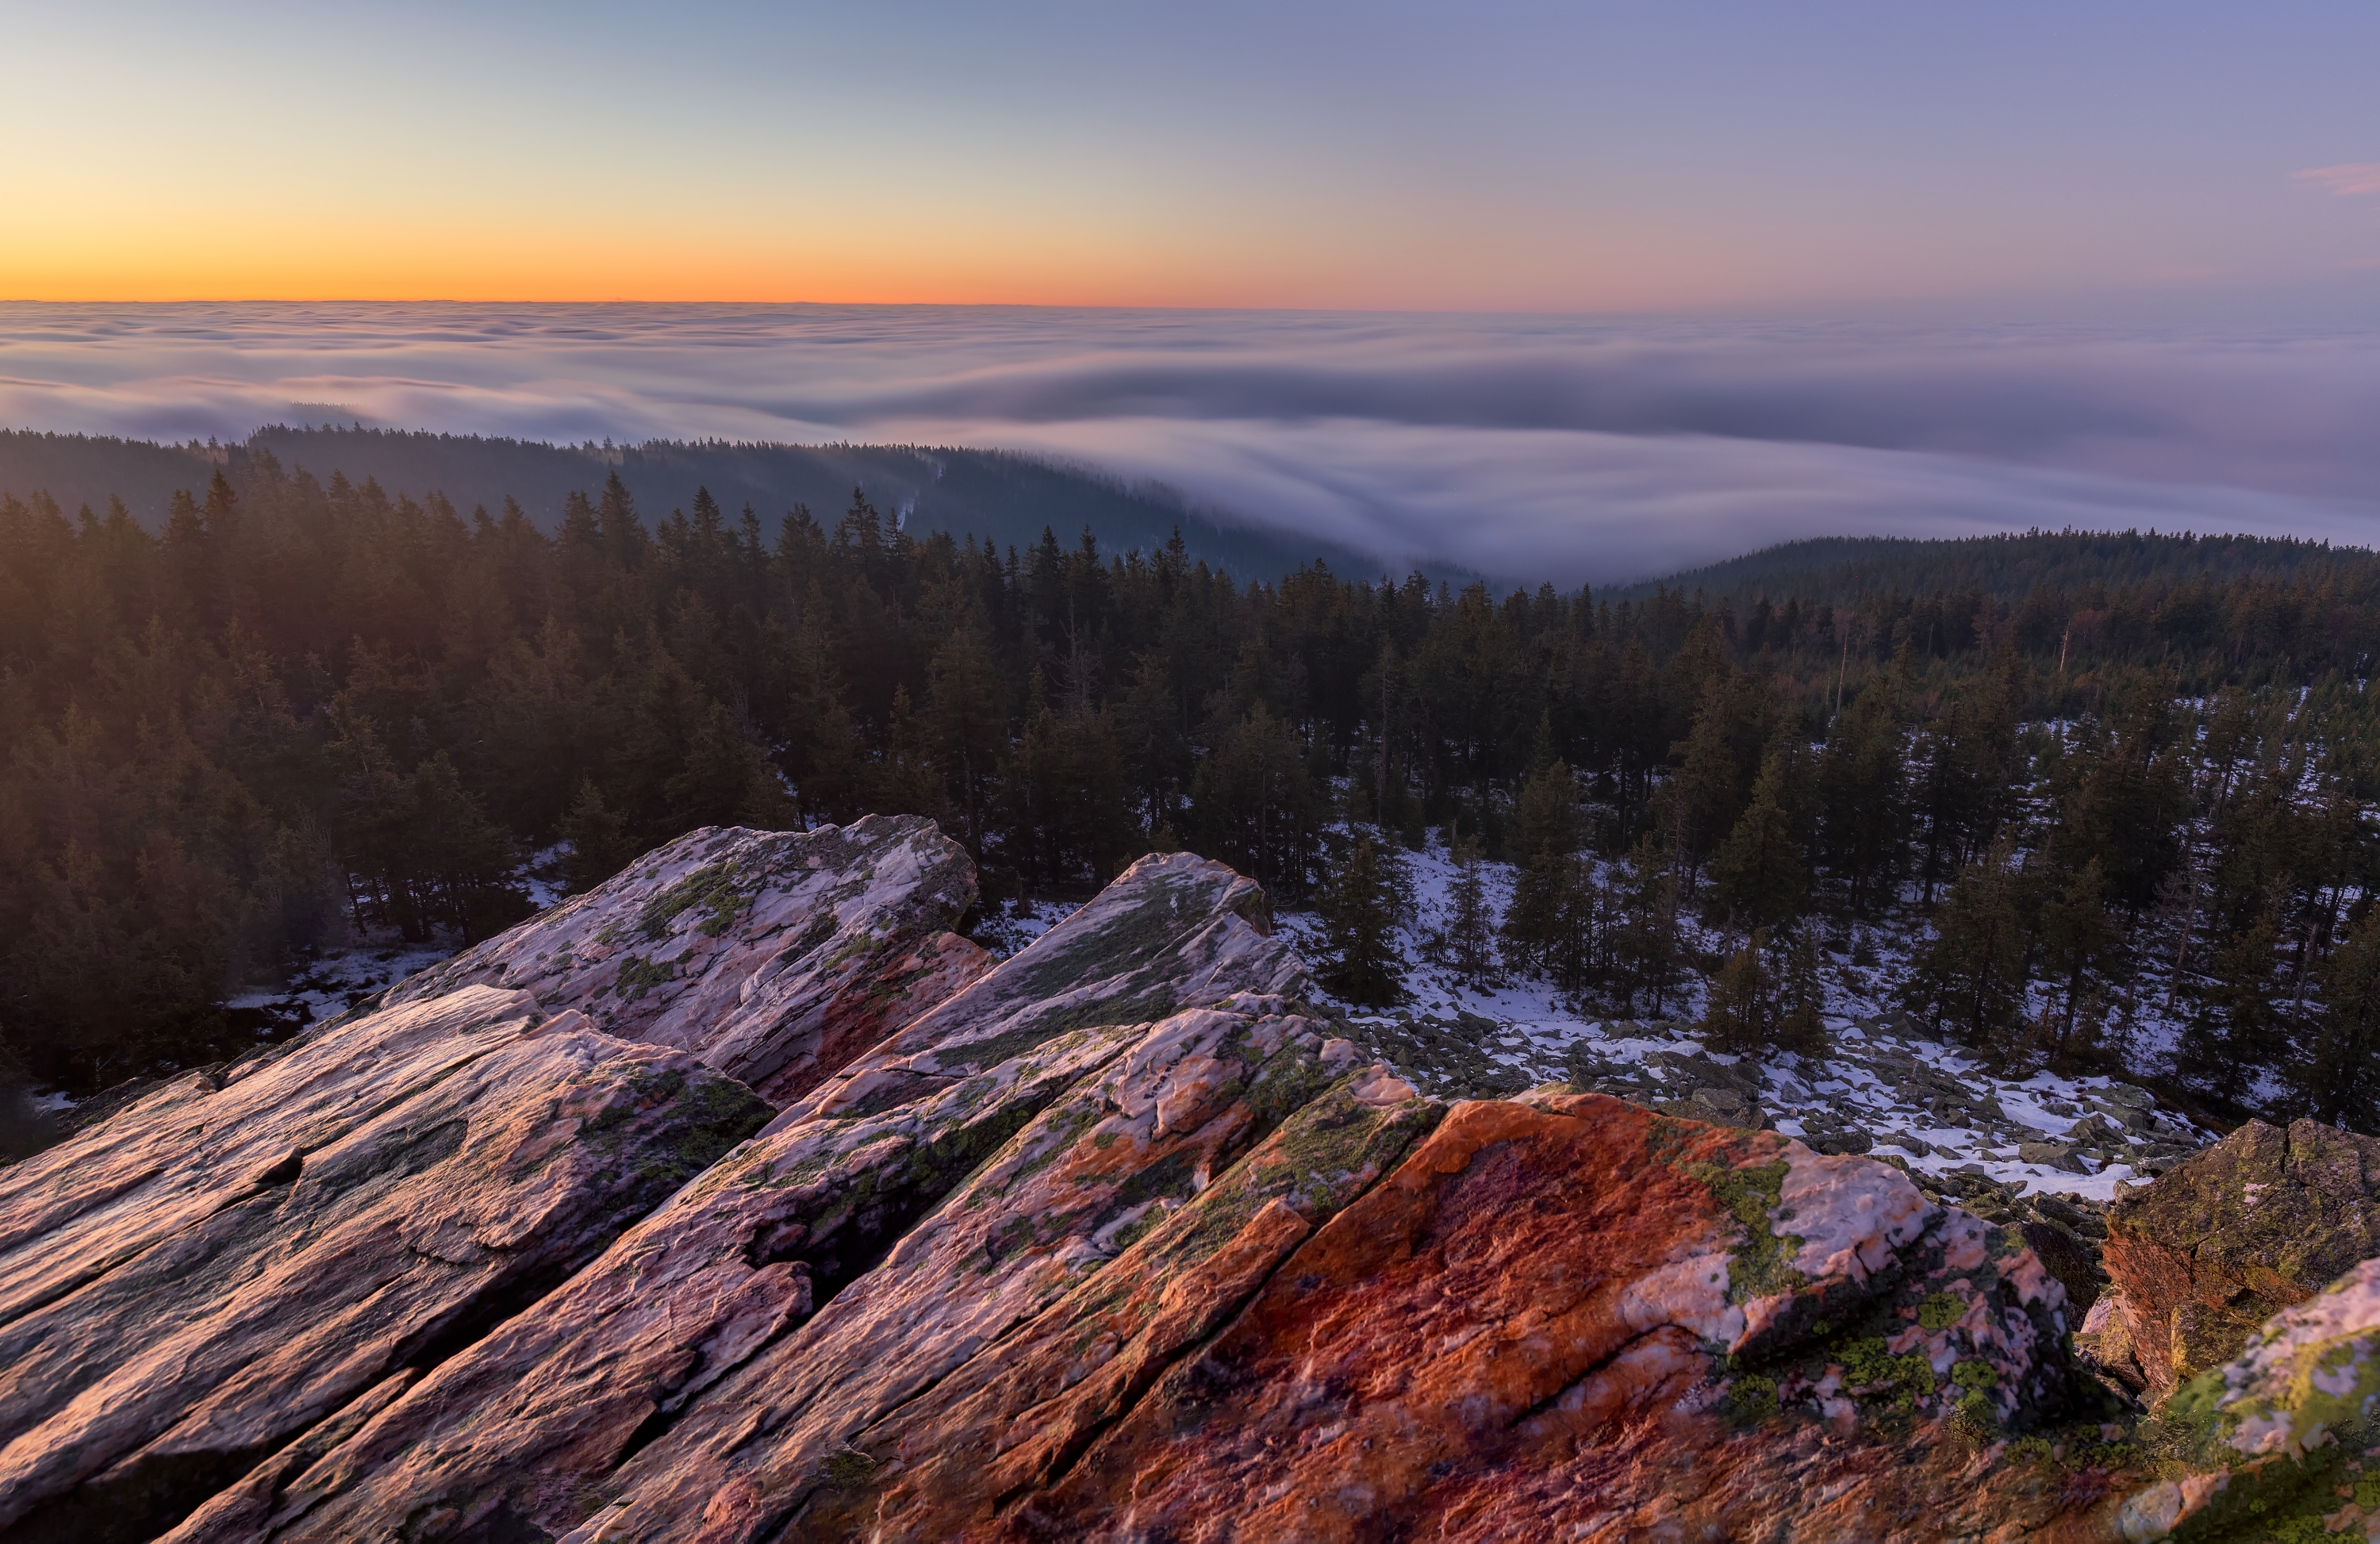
pixel 2186 159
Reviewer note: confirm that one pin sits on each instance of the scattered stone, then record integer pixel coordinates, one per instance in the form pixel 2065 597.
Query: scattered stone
pixel 2052 1155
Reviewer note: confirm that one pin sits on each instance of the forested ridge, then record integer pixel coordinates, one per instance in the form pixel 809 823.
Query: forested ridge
pixel 305 710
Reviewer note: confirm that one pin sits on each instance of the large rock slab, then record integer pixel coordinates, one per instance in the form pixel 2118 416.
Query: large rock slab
pixel 774 957
pixel 216 1270
pixel 2262 1220
pixel 942 1190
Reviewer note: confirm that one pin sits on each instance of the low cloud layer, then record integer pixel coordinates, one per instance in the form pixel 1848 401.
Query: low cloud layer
pixel 1528 448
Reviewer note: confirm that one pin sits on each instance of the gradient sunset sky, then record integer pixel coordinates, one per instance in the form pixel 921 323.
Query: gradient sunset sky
pixel 1489 156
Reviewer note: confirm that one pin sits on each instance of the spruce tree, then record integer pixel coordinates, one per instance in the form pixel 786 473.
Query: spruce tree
pixel 2338 1078
pixel 1861 797
pixel 1758 877
pixel 1741 1011
pixel 1651 945
pixel 1802 995
pixel 2078 940
pixel 2238 1031
pixel 596 836
pixel 1547 835
pixel 1359 917
pixel 1470 925
pixel 1968 980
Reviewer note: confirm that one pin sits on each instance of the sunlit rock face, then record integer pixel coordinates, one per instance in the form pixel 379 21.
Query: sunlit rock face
pixel 774 957
pixel 217 1272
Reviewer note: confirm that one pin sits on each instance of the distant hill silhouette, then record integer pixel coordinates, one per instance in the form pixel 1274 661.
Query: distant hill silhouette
pixel 998 496
pixel 1839 569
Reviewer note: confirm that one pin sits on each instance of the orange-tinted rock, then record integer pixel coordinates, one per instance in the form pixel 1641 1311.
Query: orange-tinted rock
pixel 1522 1333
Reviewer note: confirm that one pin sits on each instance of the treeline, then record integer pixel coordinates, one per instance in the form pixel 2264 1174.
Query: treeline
pixel 1842 568
pixel 307 709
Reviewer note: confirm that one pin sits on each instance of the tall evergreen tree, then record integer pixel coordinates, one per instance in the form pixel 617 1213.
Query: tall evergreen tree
pixel 1758 877
pixel 1470 925
pixel 2338 1078
pixel 1968 980
pixel 1359 915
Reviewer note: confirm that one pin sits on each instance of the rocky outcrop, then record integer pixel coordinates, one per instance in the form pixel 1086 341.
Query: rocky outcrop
pixel 1118 1239
pixel 2263 1220
pixel 773 956
pixel 217 1270
pixel 940 1189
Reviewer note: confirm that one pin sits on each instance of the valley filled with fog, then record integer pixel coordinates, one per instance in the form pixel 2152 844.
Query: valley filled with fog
pixel 1522 447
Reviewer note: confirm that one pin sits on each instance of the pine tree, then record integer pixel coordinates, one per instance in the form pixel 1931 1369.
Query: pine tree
pixel 2077 941
pixel 596 836
pixel 902 781
pixel 1253 805
pixel 1547 835
pixel 967 727
pixel 1860 795
pixel 1651 945
pixel 1741 1011
pixel 1968 980
pixel 1802 996
pixel 1469 926
pixel 1758 877
pixel 1359 913
pixel 2338 1078
pixel 2237 1030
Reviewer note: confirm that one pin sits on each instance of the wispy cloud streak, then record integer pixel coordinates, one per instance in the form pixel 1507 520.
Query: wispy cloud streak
pixel 2361 177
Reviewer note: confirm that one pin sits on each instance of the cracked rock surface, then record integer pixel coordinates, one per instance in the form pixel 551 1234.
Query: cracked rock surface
pixel 208 1276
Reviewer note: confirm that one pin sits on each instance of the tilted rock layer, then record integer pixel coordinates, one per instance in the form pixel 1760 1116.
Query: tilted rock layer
pixel 774 957
pixel 738 1200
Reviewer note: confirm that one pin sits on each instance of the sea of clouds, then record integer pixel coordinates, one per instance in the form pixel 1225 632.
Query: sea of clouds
pixel 1525 447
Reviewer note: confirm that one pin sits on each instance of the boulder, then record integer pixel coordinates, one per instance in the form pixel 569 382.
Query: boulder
pixel 937 1193
pixel 774 957
pixel 2277 1443
pixel 2262 1220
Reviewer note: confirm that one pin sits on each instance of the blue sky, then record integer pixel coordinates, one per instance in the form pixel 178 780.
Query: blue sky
pixel 2014 158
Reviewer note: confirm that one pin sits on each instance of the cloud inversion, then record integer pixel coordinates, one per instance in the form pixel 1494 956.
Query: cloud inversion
pixel 1530 448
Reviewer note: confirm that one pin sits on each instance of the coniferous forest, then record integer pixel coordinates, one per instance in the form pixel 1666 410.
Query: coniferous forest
pixel 2091 779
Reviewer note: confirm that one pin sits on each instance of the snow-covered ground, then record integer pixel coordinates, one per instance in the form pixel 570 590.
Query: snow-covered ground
pixel 328 986
pixel 1009 927
pixel 1881 1087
